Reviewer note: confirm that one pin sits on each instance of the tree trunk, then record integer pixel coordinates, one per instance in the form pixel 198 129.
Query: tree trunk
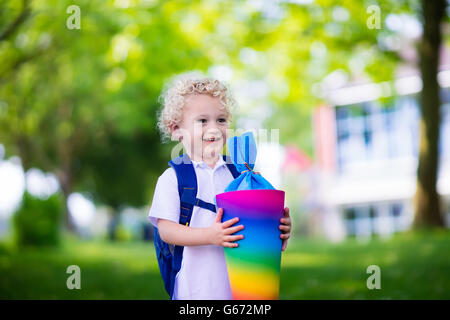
pixel 112 226
pixel 65 181
pixel 427 205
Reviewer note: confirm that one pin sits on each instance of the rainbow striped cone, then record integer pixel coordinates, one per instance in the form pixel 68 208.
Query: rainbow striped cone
pixel 254 266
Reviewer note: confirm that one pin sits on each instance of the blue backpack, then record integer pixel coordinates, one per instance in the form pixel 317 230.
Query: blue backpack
pixel 169 259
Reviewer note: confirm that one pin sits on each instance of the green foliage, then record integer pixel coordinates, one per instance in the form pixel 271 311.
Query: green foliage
pixel 82 103
pixel 413 266
pixel 38 221
pixel 122 234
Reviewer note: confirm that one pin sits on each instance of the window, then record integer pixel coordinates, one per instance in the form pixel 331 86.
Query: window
pixel 398 215
pixel 349 216
pixel 382 218
pixel 370 131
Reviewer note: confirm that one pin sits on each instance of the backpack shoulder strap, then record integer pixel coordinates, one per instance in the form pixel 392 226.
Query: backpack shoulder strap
pixel 231 166
pixel 187 185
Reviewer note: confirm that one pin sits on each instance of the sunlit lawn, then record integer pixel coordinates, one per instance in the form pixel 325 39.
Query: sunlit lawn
pixel 413 266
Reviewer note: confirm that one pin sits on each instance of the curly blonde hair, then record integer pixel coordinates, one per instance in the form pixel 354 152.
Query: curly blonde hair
pixel 181 85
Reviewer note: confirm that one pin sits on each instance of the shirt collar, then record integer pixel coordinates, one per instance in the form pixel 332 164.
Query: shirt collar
pixel 220 162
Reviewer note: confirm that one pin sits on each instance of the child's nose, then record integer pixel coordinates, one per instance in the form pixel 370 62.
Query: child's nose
pixel 212 127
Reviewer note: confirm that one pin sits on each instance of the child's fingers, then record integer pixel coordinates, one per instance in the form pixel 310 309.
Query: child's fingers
pixel 285 236
pixel 219 215
pixel 234 229
pixel 285 228
pixel 230 222
pixel 286 217
pixel 230 245
pixel 284 245
pixel 233 238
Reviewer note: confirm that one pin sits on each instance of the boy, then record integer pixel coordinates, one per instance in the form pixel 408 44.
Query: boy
pixel 196 111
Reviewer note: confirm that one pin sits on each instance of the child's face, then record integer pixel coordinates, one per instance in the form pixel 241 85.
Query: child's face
pixel 203 126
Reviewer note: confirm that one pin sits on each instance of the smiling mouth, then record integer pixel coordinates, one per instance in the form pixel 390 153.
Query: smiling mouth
pixel 211 139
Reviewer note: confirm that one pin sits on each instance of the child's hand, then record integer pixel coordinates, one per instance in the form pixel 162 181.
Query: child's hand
pixel 221 233
pixel 285 227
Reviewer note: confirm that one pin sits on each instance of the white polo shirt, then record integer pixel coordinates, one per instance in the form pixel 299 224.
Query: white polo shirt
pixel 203 274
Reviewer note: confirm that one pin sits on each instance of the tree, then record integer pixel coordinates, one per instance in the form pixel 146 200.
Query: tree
pixel 82 103
pixel 427 203
pixel 310 42
pixel 79 98
pixel 344 39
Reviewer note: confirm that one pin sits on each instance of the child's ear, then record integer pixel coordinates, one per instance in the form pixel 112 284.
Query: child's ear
pixel 174 130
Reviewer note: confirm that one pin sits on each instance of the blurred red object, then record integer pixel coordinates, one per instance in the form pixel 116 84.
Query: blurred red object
pixel 295 159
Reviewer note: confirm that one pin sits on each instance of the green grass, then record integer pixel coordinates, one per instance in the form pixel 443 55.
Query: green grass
pixel 108 271
pixel 413 266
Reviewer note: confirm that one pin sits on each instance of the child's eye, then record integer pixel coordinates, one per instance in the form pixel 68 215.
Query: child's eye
pixel 202 120
pixel 222 120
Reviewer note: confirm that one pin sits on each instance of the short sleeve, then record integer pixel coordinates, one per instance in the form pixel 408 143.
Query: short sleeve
pixel 166 200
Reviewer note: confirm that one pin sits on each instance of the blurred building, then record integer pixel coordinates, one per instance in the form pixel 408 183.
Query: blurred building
pixel 299 177
pixel 367 157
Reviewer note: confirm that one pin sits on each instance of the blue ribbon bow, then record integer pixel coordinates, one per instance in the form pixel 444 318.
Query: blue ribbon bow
pixel 243 155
